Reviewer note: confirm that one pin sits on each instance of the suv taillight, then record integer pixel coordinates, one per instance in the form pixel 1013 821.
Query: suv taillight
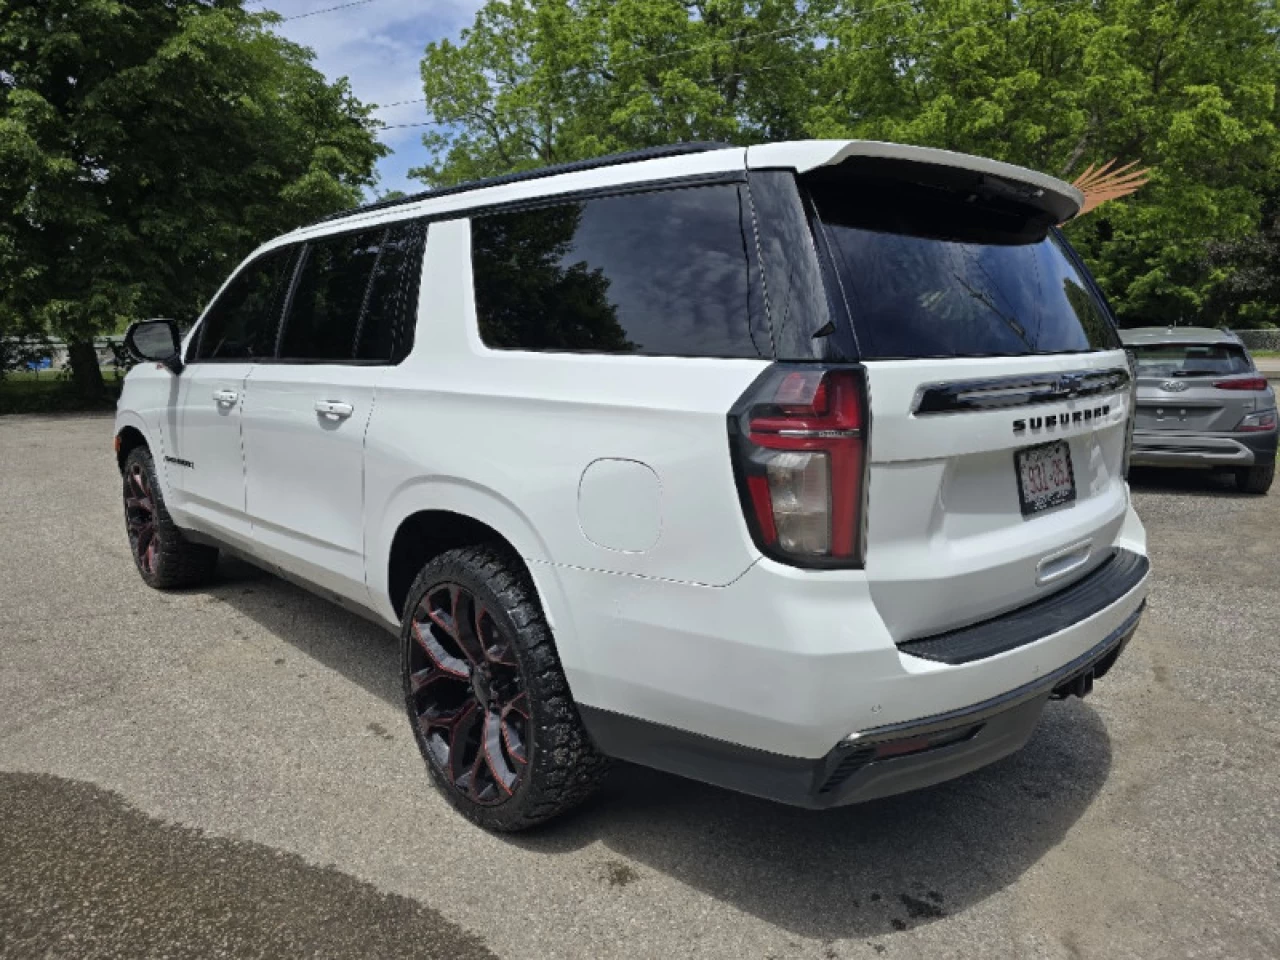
pixel 1131 358
pixel 1248 383
pixel 799 442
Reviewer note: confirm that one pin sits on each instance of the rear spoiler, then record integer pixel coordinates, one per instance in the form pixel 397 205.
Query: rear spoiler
pixel 1049 195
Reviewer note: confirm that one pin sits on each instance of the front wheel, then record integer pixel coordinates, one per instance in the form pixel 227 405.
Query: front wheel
pixel 487 698
pixel 163 556
pixel 1256 479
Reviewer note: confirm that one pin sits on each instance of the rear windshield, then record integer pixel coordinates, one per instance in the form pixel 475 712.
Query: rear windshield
pixel 1191 360
pixel 925 273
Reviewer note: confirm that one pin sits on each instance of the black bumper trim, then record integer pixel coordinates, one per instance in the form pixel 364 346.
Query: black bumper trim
pixel 850 773
pixel 1115 577
pixel 1262 444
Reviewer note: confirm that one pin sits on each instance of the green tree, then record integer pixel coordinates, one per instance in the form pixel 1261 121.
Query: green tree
pixel 145 147
pixel 1185 86
pixel 534 82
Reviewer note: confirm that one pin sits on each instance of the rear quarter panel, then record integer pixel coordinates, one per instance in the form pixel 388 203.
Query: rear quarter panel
pixel 506 437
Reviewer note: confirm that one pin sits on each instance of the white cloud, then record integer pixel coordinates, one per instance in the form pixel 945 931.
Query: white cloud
pixel 378 45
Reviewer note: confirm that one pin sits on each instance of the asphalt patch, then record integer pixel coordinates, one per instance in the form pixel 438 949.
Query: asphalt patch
pixel 85 875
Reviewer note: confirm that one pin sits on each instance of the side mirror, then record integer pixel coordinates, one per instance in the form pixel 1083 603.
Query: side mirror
pixel 155 340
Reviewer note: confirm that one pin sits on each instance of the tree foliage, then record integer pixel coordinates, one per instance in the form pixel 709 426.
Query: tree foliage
pixel 147 145
pixel 1187 87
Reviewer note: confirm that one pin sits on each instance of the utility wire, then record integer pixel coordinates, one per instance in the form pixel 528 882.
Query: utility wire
pixel 316 13
pixel 309 13
pixel 755 36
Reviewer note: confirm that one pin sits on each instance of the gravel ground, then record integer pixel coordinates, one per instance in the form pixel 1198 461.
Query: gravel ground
pixel 227 772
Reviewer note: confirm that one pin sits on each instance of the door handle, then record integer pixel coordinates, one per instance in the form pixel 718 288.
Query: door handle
pixel 225 396
pixel 337 410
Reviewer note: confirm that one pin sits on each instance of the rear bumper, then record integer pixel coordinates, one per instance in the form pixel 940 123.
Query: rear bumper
pixel 869 764
pixel 1160 449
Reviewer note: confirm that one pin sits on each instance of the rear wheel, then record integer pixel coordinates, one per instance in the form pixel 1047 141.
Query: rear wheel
pixel 163 556
pixel 1256 479
pixel 486 696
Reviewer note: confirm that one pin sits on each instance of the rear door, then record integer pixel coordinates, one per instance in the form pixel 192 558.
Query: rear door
pixel 307 410
pixel 1188 387
pixel 999 396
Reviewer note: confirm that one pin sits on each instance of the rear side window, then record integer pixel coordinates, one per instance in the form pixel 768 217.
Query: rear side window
pixel 927 274
pixel 1191 360
pixel 242 323
pixel 324 312
pixel 386 329
pixel 659 273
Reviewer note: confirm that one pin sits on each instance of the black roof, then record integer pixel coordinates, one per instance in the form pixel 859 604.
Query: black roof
pixel 613 159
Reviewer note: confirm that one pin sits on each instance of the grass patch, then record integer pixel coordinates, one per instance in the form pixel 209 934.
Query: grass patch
pixel 26 391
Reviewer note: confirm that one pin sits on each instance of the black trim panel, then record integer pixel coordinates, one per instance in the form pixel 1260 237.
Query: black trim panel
pixel 1002 393
pixel 1116 576
pixel 592 193
pixel 1261 443
pixel 849 773
pixel 576 166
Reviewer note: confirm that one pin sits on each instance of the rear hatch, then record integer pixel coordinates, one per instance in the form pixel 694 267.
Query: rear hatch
pixel 1194 387
pixel 998 391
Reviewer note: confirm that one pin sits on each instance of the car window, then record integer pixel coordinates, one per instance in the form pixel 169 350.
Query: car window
pixel 386 331
pixel 242 323
pixel 664 272
pixel 329 296
pixel 926 274
pixel 1191 360
pixel 801 313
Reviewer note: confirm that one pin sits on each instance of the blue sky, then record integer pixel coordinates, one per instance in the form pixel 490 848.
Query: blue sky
pixel 378 46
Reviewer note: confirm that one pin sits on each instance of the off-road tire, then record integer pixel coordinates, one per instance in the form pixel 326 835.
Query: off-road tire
pixel 563 767
pixel 1256 479
pixel 177 562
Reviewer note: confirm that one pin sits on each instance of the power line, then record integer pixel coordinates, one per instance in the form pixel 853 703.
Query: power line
pixel 425 123
pixel 613 65
pixel 401 103
pixel 309 13
pixel 316 13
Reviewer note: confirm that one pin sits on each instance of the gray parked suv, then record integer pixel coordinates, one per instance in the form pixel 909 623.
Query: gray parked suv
pixel 1202 403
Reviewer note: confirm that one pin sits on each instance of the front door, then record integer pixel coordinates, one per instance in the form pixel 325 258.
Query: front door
pixel 204 462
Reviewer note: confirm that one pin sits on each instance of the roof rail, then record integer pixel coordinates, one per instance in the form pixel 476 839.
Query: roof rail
pixel 610 160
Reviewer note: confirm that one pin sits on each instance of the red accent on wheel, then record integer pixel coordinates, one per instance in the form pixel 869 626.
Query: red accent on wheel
pixel 467 694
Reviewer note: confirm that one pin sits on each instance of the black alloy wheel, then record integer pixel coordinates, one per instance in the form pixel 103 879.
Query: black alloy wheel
pixel 487 698
pixel 163 556
pixel 468 696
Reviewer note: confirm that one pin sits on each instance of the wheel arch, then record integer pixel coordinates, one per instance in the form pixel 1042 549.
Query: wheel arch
pixel 128 438
pixel 430 516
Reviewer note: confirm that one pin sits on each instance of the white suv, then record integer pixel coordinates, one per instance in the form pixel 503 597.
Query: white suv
pixel 797 468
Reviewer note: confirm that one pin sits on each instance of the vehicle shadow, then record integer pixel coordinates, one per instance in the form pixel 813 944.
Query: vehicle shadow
pixel 860 871
pixel 1196 482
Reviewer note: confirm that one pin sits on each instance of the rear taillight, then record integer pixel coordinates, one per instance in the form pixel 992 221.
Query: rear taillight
pixel 1248 383
pixel 1264 421
pixel 1132 358
pixel 799 439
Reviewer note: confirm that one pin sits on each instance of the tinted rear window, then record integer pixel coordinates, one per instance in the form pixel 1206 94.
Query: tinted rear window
pixel 1191 360
pixel 664 272
pixel 926 274
pixel 329 296
pixel 386 330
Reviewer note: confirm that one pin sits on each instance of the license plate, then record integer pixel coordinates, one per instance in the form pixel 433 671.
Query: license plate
pixel 1045 479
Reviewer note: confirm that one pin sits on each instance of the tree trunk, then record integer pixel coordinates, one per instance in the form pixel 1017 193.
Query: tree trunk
pixel 85 374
